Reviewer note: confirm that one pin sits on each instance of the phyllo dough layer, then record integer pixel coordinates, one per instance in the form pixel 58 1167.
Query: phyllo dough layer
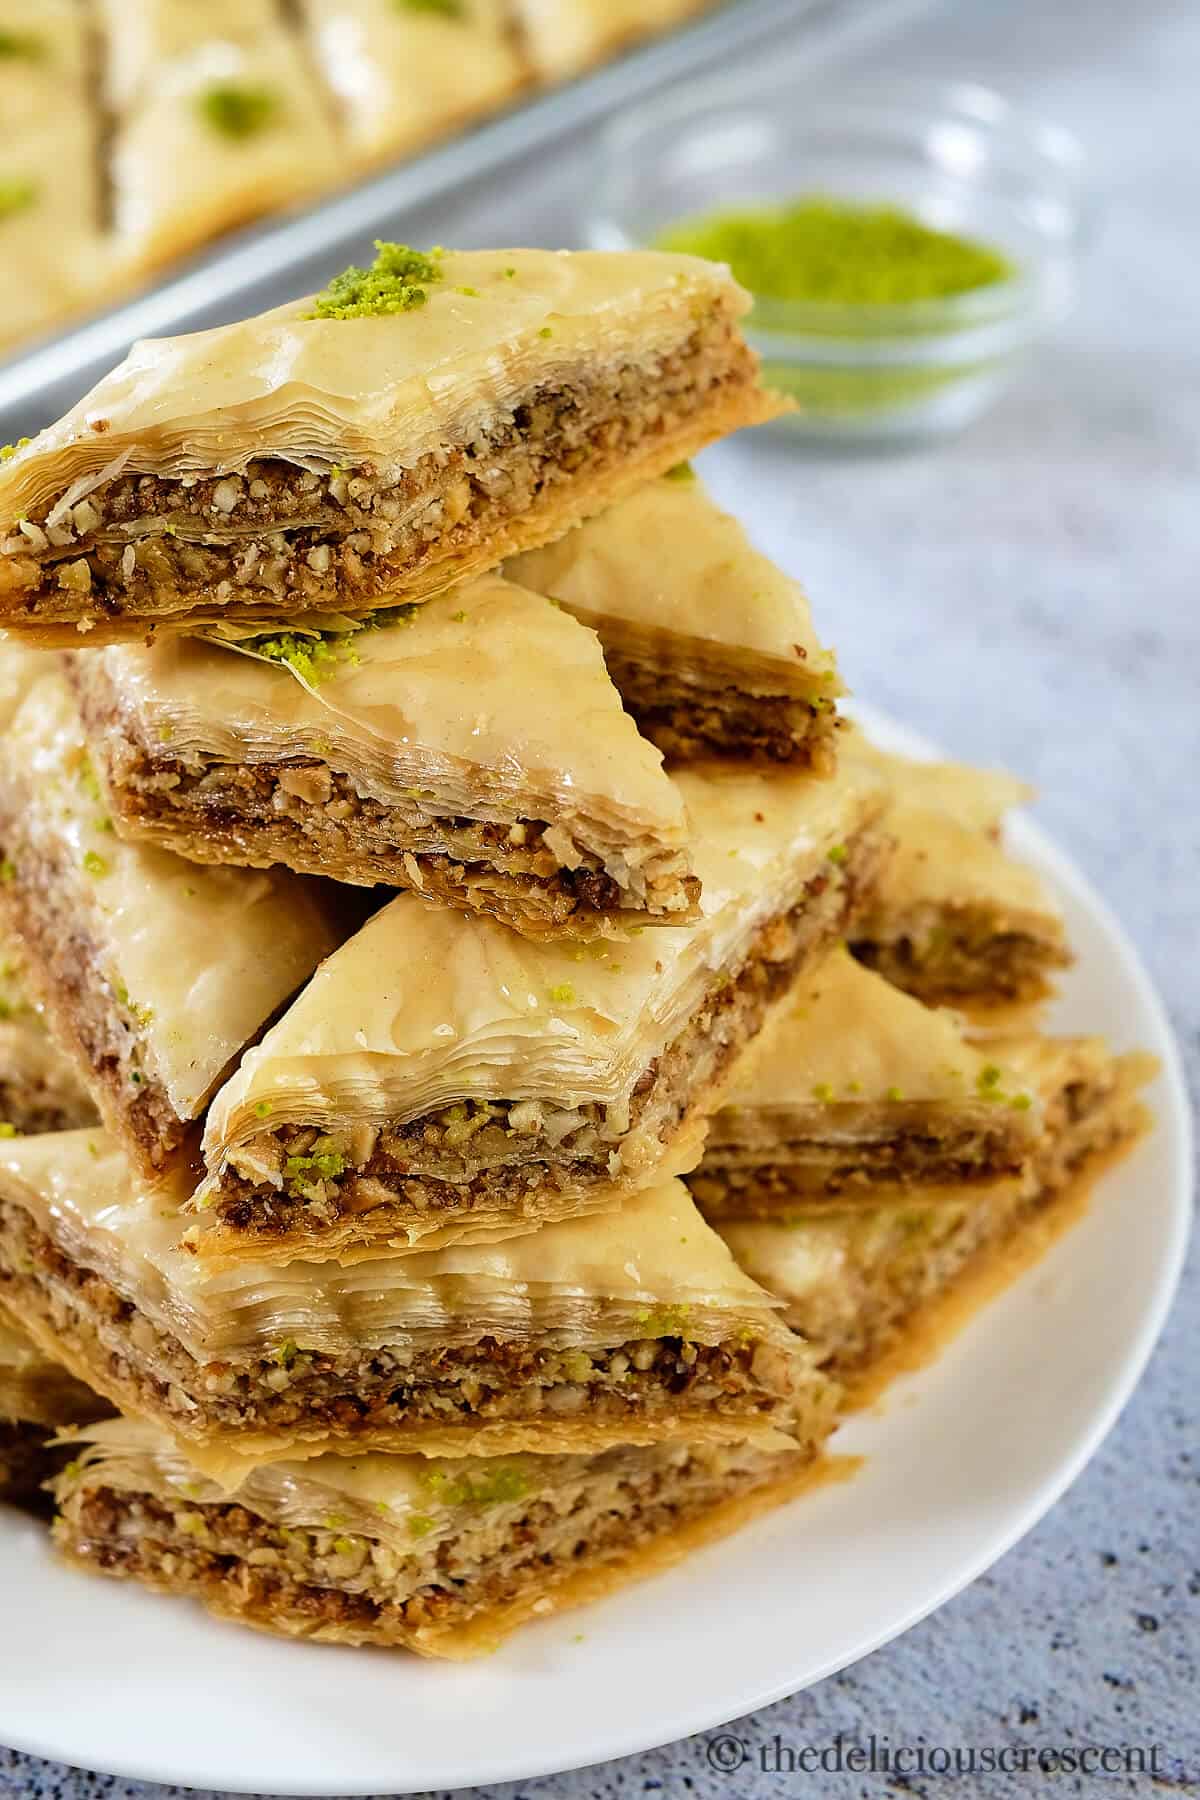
pixel 856 1089
pixel 330 454
pixel 405 72
pixel 956 920
pixel 851 1281
pixel 407 1552
pixel 472 750
pixel 711 645
pixel 633 1327
pixel 154 973
pixel 440 1074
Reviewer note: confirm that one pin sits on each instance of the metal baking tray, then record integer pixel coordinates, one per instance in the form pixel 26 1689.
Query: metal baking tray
pixel 296 252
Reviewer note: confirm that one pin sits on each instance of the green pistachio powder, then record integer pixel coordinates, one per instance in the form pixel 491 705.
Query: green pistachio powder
pixel 238 109
pixel 819 251
pixel 442 9
pixel 397 281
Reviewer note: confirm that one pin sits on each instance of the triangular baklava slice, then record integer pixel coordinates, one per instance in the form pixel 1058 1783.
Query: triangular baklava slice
pixel 711 645
pixel 368 446
pixel 154 973
pixel 442 1077
pixel 446 1559
pixel 957 921
pixel 472 750
pixel 631 1327
pixel 851 1281
pixel 858 1089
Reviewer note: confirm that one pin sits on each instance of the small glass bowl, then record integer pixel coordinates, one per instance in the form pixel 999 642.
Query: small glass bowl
pixel 958 156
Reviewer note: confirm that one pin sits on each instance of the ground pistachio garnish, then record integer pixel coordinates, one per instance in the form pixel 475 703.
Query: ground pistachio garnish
pixel 397 281
pixel 238 109
pixel 681 472
pixel 25 44
pixel 10 450
pixel 16 194
pixel 664 1321
pixel 89 781
pixel 441 9
pixel 816 248
pixel 8 1130
pixel 325 1163
pixel 316 655
pixel 142 1015
pixel 313 658
pixel 496 1486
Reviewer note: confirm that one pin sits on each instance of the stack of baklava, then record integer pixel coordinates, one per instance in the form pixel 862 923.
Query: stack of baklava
pixel 348 885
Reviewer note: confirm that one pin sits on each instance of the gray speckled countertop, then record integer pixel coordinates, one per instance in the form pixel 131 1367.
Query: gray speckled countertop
pixel 1024 595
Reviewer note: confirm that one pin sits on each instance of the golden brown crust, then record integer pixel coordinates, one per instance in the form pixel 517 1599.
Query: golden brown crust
pixel 177 585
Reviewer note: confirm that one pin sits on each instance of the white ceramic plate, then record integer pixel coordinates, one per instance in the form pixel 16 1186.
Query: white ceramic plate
pixel 965 1457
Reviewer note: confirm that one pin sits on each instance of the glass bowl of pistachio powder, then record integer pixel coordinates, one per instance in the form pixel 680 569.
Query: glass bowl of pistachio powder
pixel 906 243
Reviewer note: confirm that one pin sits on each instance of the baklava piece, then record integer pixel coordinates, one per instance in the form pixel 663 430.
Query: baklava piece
pixel 441 1075
pixel 956 920
pixel 711 646
pixel 857 1093
pixel 154 973
pixel 628 1328
pixel 852 1281
pixel 412 425
pixel 405 72
pixel 221 133
pixel 472 750
pixel 407 1552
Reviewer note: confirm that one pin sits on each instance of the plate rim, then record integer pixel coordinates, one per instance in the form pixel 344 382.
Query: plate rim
pixel 1173 1120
